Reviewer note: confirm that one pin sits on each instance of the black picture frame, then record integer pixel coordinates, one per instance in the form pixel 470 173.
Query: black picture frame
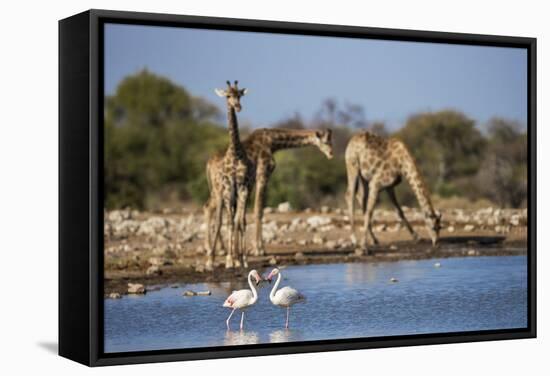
pixel 81 182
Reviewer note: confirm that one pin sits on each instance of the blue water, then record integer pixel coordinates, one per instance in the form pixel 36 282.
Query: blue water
pixel 344 301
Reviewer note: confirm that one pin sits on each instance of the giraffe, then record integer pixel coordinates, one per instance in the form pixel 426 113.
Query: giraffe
pixel 260 148
pixel 236 177
pixel 374 164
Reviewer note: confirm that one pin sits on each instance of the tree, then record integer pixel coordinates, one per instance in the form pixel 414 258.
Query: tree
pixel 503 173
pixel 157 140
pixel 447 147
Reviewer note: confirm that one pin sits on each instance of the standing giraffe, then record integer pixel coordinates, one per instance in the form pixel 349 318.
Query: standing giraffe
pixel 374 164
pixel 260 148
pixel 236 177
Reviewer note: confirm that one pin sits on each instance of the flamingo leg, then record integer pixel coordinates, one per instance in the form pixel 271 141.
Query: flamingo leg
pixel 229 318
pixel 242 320
pixel 287 314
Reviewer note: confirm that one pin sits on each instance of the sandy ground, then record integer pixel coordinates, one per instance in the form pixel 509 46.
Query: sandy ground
pixel 168 247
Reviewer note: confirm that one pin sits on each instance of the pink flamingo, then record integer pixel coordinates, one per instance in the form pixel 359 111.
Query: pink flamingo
pixel 286 297
pixel 243 299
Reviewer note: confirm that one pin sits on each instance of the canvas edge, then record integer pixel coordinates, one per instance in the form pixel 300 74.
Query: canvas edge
pixel 94 16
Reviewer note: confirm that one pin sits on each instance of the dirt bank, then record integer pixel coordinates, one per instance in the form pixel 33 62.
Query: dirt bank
pixel 167 247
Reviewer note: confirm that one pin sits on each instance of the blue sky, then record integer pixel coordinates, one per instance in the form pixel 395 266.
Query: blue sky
pixel 286 74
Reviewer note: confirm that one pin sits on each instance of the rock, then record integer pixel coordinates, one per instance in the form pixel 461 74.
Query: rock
pixel 284 207
pixel 437 265
pixel 325 209
pixel 153 226
pixel 303 242
pixel 380 228
pixel 514 220
pixel 394 280
pixel 199 268
pixel 175 286
pixel 188 293
pixel 273 260
pixel 326 228
pixel 353 239
pixel 308 210
pixel 393 247
pixel 204 293
pixel 159 261
pixel 115 295
pixel 469 228
pixel 318 239
pixel 394 228
pixel 268 210
pixel 317 220
pixel 331 244
pixel 451 229
pixel 136 288
pixel 153 270
pixel 296 222
pixel 471 252
pixel 299 255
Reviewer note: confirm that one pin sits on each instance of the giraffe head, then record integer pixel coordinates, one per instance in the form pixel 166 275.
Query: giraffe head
pixel 433 224
pixel 233 95
pixel 323 140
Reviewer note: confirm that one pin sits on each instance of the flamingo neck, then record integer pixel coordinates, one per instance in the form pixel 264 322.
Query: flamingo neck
pixel 274 290
pixel 254 292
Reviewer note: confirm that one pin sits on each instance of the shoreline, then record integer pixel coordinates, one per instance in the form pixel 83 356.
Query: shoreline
pixel 116 281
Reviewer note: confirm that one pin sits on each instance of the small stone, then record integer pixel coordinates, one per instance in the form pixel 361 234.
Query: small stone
pixel 284 207
pixel 331 244
pixel 189 293
pixel 153 270
pixel 325 209
pixel 317 220
pixel 472 252
pixel 273 260
pixel 394 280
pixel 203 293
pixel 437 265
pixel 299 255
pixel 380 228
pixel 450 229
pixel 318 239
pixel 302 242
pixel 514 220
pixel 175 286
pixel 199 268
pixel 393 247
pixel 136 288
pixel 115 295
pixel 469 228
pixel 268 210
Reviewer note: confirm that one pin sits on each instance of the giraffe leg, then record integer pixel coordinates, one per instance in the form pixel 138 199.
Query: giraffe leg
pixel 217 232
pixel 210 248
pixel 353 182
pixel 362 194
pixel 229 261
pixel 242 199
pixel 259 203
pixel 393 198
pixel 371 202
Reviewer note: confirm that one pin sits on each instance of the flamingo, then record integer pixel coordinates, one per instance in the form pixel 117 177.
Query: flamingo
pixel 243 299
pixel 286 297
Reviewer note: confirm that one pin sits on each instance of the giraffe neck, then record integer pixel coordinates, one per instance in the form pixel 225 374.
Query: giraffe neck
pixel 235 146
pixel 291 138
pixel 419 188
